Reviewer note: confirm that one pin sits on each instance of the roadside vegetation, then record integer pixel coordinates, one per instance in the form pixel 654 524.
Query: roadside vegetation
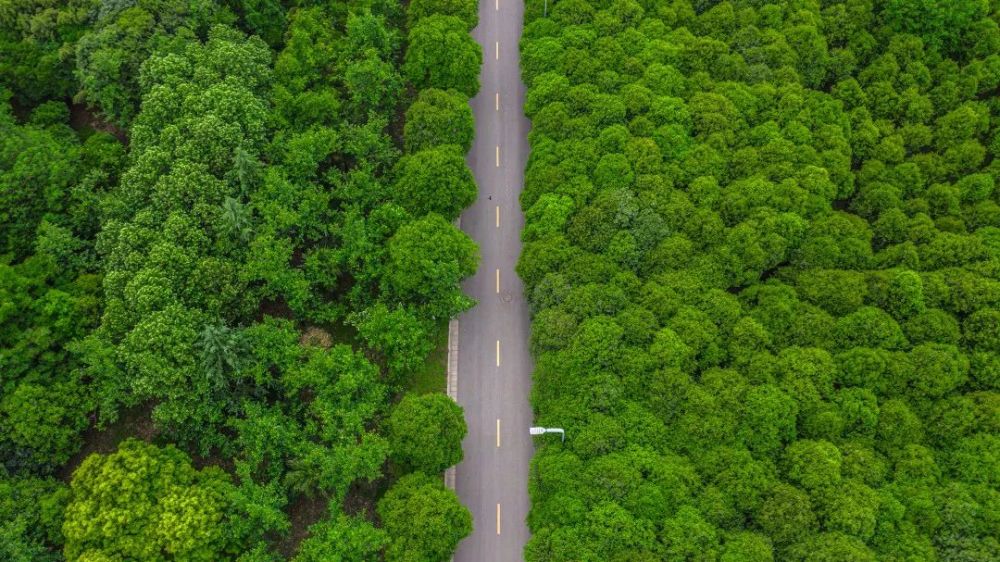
pixel 762 252
pixel 226 241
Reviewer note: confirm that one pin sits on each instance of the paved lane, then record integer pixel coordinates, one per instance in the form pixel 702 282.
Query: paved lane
pixel 494 366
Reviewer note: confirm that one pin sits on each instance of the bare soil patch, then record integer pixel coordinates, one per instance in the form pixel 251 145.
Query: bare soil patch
pixel 133 422
pixel 302 512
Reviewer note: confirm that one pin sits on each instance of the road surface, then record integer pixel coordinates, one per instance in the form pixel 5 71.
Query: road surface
pixel 494 365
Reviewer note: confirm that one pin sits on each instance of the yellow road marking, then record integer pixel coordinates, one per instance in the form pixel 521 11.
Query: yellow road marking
pixel 498 519
pixel 498 433
pixel 498 353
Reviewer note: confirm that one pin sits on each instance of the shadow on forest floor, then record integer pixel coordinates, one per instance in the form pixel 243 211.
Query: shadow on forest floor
pixel 84 121
pixel 133 422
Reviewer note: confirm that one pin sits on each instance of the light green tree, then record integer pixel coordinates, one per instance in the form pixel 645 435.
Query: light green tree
pixel 143 503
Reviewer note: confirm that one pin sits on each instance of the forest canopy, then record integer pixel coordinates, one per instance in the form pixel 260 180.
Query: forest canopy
pixel 761 256
pixel 761 251
pixel 226 260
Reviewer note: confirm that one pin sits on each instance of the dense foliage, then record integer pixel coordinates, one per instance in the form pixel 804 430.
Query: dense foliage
pixel 209 312
pixel 50 183
pixel 38 40
pixel 762 257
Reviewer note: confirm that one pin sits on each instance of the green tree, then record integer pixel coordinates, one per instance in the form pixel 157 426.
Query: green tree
pixel 442 55
pixel 466 10
pixel 422 519
pixel 265 18
pixel 373 84
pixel 813 464
pixel 342 394
pixel 46 420
pixel 144 502
pixel 109 56
pixel 618 534
pixel 38 38
pixel 426 432
pixel 16 547
pixel 399 335
pixel 687 536
pixel 427 258
pixel 438 117
pixel 305 93
pixel 763 234
pixel 172 263
pixel 31 514
pixel 38 168
pixel 435 180
pixel 769 419
pixel 341 539
pixel 825 547
pixel 746 547
pixel 939 24
pixel 786 515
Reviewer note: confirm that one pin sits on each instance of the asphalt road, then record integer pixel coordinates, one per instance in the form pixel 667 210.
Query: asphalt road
pixel 494 365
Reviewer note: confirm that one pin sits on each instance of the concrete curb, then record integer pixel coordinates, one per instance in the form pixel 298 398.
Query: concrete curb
pixel 452 384
pixel 452 374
